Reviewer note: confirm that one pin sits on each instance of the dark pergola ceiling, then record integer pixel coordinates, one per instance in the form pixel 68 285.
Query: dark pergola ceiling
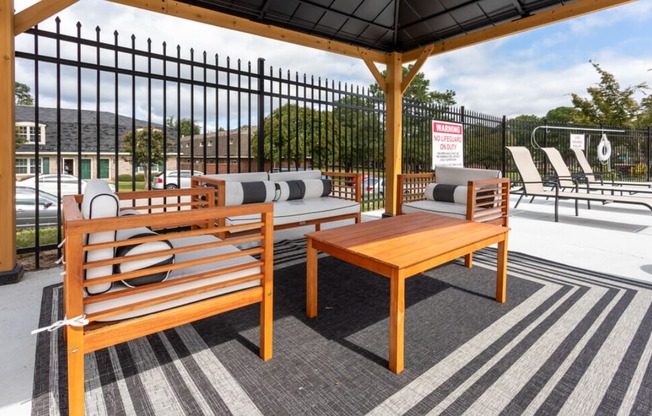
pixel 381 25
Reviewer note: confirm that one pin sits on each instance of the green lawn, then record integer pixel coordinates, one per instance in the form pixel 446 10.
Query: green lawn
pixel 126 186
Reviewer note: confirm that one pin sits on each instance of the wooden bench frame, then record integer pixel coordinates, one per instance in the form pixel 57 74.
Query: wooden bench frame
pixel 344 185
pixel 192 209
pixel 481 195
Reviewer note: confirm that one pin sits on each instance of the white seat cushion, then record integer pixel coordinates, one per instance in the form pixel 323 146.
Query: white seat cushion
pixel 448 209
pixel 301 210
pixel 176 274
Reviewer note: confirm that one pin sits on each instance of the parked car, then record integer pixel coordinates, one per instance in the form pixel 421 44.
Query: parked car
pixel 175 179
pixel 48 183
pixel 373 187
pixel 26 207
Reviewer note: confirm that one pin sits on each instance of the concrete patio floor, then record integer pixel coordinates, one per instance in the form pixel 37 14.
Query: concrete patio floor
pixel 614 239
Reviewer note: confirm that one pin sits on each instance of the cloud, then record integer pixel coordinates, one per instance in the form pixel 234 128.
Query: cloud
pixel 529 73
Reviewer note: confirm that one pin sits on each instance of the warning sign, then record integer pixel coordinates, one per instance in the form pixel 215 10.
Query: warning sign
pixel 447 144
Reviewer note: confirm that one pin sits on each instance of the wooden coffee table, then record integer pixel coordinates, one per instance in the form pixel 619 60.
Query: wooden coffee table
pixel 400 247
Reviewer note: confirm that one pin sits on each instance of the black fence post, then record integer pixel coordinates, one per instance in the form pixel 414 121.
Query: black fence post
pixel 261 115
pixel 504 146
pixel 649 165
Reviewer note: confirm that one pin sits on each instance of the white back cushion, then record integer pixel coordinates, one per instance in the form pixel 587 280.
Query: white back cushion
pixel 240 177
pixel 293 175
pixel 462 176
pixel 99 202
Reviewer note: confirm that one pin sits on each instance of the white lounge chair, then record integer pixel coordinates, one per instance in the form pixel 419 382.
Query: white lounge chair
pixel 566 179
pixel 533 186
pixel 591 176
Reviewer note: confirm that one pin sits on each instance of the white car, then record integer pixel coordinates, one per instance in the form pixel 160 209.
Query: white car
pixel 48 183
pixel 175 179
pixel 26 207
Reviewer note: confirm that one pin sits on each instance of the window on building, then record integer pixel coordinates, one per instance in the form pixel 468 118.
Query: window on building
pixel 25 166
pixel 26 132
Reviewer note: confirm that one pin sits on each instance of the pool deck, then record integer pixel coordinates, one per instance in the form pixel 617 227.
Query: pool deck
pixel 614 239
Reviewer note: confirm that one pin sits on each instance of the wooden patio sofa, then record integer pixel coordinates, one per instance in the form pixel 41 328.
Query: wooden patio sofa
pixel 300 198
pixel 137 263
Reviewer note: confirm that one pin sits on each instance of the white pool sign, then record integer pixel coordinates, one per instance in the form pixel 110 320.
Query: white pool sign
pixel 447 144
pixel 577 141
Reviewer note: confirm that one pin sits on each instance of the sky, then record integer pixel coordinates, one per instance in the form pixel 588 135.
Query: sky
pixel 528 73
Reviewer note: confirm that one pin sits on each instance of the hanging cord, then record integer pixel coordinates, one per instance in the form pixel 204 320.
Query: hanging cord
pixel 77 321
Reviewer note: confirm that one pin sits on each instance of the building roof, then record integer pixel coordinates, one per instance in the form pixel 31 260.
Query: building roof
pixel 235 145
pixel 68 127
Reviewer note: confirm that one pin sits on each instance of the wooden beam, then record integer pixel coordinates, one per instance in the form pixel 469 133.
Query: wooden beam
pixel 375 72
pixel 210 17
pixel 394 129
pixel 7 138
pixel 544 18
pixel 423 56
pixel 38 12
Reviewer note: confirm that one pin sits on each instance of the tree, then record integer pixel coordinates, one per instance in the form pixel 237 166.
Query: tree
pixel 145 155
pixel 293 134
pixel 644 118
pixel 608 105
pixel 419 90
pixel 360 131
pixel 561 115
pixel 23 96
pixel 186 125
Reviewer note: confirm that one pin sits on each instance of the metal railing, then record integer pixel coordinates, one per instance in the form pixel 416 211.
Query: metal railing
pixel 90 94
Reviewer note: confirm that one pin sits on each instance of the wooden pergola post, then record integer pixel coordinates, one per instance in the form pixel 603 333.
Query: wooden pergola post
pixel 10 271
pixel 393 128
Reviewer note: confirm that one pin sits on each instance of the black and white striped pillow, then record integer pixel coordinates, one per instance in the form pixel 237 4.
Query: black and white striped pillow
pixel 446 193
pixel 302 189
pixel 142 248
pixel 238 193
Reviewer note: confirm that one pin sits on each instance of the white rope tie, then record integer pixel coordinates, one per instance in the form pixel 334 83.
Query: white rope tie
pixel 77 321
pixel 60 260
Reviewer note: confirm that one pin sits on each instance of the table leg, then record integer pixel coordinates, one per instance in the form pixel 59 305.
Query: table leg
pixel 311 280
pixel 501 272
pixel 396 323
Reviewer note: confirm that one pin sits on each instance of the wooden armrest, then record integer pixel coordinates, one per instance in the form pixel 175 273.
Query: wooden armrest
pixel 219 185
pixel 488 201
pixel 345 185
pixel 410 188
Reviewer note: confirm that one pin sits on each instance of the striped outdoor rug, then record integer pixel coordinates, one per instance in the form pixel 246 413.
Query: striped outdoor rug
pixel 568 341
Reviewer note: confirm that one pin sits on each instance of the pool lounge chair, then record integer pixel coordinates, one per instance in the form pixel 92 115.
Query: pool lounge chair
pixel 591 176
pixel 533 186
pixel 568 180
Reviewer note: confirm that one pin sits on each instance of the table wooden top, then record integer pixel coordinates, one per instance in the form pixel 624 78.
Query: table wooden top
pixel 405 240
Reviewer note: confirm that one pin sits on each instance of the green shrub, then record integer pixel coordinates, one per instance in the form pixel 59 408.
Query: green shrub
pixel 26 238
pixel 124 177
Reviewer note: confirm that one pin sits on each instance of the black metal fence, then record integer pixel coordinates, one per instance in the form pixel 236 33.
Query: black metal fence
pixel 217 115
